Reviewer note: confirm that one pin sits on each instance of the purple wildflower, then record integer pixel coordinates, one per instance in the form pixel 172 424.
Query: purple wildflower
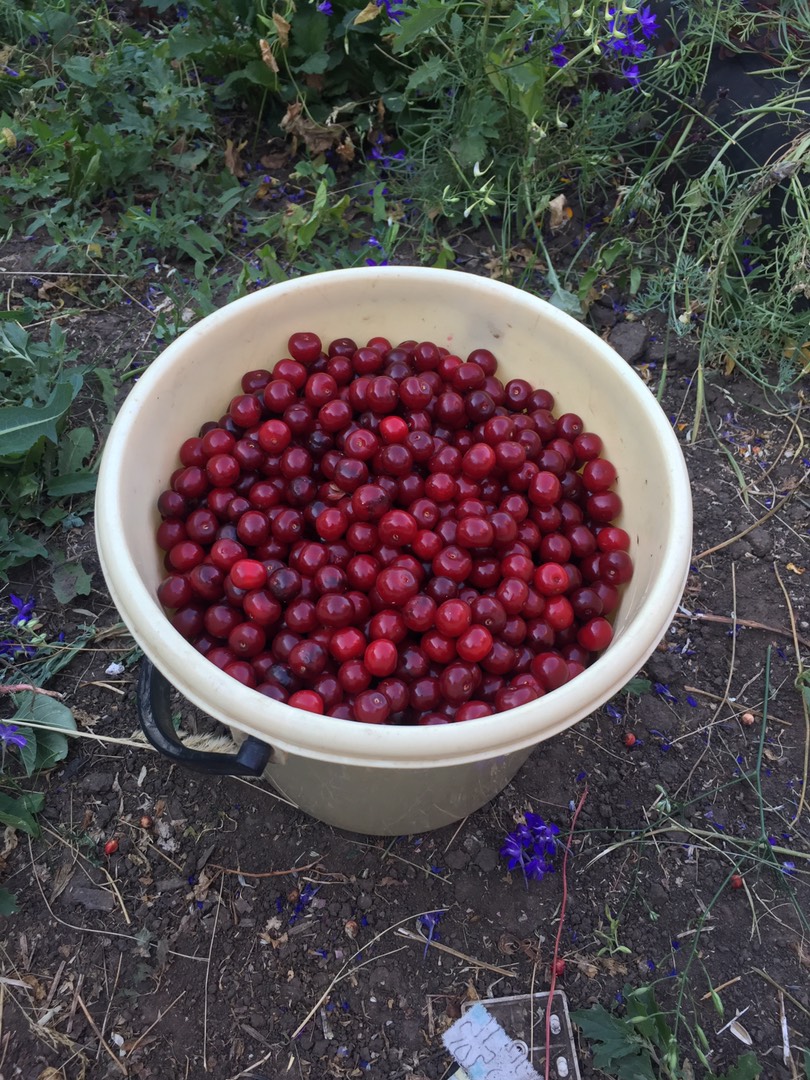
pixel 631 73
pixel 531 847
pixel 430 921
pixel 9 735
pixel 558 55
pixel 24 608
pixel 647 23
pixel 393 13
pixel 325 8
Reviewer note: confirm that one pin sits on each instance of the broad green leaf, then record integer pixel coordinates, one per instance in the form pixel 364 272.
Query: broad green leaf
pixel 52 747
pixel 74 449
pixel 14 813
pixel 77 483
pixel 80 69
pixel 8 902
pixel 28 753
pixel 637 686
pixel 22 427
pixel 70 580
pixel 423 19
pixel 426 74
pixel 748 1068
pixel 617 1050
pixel 184 42
pixel 44 748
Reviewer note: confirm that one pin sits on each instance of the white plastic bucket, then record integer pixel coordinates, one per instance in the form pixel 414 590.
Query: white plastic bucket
pixel 377 779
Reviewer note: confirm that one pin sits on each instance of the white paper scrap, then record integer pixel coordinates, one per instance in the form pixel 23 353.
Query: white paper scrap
pixel 484 1050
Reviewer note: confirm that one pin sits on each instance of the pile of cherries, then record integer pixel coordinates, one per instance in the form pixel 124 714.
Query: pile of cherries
pixel 389 534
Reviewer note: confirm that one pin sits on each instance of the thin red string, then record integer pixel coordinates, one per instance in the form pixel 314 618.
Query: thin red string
pixel 563 905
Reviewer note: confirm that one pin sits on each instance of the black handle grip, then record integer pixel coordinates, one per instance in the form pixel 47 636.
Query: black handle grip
pixel 154 713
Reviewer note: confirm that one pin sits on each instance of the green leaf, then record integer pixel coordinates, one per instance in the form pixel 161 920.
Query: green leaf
pixel 423 19
pixel 80 69
pixel 617 1049
pixel 77 483
pixel 13 812
pixel 70 580
pixel 807 1064
pixel 315 64
pixel 184 42
pixel 637 686
pixel 8 902
pixel 748 1068
pixel 48 747
pixel 28 753
pixel 426 74
pixel 74 449
pixel 22 427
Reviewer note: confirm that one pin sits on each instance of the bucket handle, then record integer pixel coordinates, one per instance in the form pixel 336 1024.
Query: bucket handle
pixel 154 713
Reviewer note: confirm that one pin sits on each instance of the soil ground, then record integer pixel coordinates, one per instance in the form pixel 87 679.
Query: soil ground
pixel 234 936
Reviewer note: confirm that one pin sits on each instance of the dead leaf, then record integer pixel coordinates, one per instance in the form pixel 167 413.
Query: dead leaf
pixel 613 966
pixel 586 968
pixel 36 987
pixel 796 569
pixel 369 12
pixel 275 161
pixel 53 1074
pixel 282 29
pixel 391 881
pixel 508 945
pixel 61 879
pixel 317 138
pixel 267 55
pixel 233 159
pixel 9 843
pixel 729 363
pixel 558 218
pixel 314 82
pixel 380 110
pixel 345 150
pixel 471 994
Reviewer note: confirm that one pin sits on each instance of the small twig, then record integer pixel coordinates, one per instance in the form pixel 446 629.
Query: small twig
pixel 119 1064
pixel 805 710
pixel 722 986
pixel 773 510
pixel 764 975
pixel 19 688
pixel 461 825
pixel 783 1025
pixel 266 873
pixel 160 1016
pixel 749 624
pixel 118 896
pixel 412 935
pixel 208 974
pixel 560 924
pixel 110 1001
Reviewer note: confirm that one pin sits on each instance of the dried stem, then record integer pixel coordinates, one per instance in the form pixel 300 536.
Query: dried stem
pixel 799 677
pixel 118 1064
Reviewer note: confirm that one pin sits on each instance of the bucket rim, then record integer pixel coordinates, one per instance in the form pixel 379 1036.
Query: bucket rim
pixel 240 707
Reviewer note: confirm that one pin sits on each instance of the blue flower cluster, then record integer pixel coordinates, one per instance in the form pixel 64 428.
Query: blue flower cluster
pixel 531 847
pixel 623 42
